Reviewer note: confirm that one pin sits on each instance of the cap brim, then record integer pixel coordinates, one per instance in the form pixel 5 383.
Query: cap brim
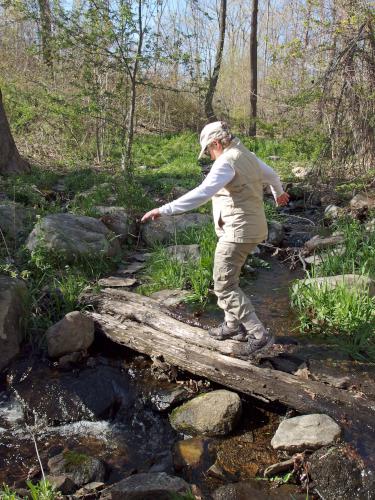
pixel 202 152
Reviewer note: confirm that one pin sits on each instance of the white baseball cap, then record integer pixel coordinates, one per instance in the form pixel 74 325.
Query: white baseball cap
pixel 211 132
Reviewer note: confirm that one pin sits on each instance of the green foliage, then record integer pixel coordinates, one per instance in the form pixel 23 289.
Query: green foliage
pixel 43 490
pixel 359 254
pixel 182 496
pixel 342 316
pixel 164 271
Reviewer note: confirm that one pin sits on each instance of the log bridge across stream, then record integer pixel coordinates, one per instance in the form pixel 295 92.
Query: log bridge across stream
pixel 144 325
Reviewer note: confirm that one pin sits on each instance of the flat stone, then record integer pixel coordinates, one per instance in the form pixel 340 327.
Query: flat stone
pixel 352 281
pixel 73 236
pixel 305 432
pixel 117 281
pixel 361 201
pixel 147 486
pixel 63 484
pixel 12 298
pixel 318 259
pixel 184 253
pixel 132 268
pixel 164 229
pixel 89 489
pixel 75 332
pixel 212 414
pixel 170 298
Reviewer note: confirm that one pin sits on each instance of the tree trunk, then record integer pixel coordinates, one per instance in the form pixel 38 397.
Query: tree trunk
pixel 10 159
pixel 126 160
pixel 253 70
pixel 143 325
pixel 46 32
pixel 211 117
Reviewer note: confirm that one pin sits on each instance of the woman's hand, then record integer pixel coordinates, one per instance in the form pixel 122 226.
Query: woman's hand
pixel 152 214
pixel 282 200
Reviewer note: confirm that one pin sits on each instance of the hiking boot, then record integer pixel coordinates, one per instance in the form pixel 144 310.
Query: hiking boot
pixel 254 346
pixel 223 332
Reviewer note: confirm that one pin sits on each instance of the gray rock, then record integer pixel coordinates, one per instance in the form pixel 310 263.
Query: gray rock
pixel 213 414
pixel 301 172
pixel 147 486
pixel 339 475
pixel 117 220
pixel 256 490
pixel 117 282
pixel 75 332
pixel 362 200
pixel 305 432
pixel 164 229
pixel 333 212
pixel 14 219
pixel 170 298
pixel 370 226
pixel 90 490
pixel 164 400
pixel 12 298
pixel 72 236
pixel 275 233
pixel 184 253
pixel 63 484
pixel 78 467
pixel 351 281
pixel 63 398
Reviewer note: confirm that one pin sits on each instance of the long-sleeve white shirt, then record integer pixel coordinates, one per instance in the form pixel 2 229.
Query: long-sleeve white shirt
pixel 220 175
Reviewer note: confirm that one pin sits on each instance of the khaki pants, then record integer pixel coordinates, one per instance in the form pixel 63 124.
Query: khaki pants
pixel 229 259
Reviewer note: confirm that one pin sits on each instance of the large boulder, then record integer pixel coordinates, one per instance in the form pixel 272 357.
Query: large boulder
pixel 362 201
pixel 75 332
pixel 212 414
pixel 184 253
pixel 116 219
pixel 147 486
pixel 351 281
pixel 165 228
pixel 14 219
pixel 73 236
pixel 12 296
pixel 305 432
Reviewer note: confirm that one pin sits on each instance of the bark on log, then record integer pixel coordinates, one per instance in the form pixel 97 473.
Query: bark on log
pixel 10 159
pixel 141 324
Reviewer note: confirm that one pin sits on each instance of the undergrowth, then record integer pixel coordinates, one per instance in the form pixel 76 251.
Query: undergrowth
pixel 343 316
pixel 43 490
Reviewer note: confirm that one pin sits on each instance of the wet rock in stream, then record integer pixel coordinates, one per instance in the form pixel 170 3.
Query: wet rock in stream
pixel 154 486
pixel 78 467
pixel 59 398
pixel 212 414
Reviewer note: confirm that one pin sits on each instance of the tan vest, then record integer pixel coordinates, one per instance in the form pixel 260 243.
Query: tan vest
pixel 238 209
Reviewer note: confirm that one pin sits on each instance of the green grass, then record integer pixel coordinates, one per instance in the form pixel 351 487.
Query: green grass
pixel 359 255
pixel 165 272
pixel 43 490
pixel 342 316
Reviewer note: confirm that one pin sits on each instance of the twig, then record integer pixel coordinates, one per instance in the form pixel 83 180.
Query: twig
pixel 303 262
pixel 298 217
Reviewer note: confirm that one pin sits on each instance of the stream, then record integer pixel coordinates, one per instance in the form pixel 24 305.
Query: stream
pixel 110 405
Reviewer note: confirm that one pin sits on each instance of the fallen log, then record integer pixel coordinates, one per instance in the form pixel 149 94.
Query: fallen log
pixel 141 324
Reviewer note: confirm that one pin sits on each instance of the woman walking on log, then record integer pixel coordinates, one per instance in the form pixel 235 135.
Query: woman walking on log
pixel 235 185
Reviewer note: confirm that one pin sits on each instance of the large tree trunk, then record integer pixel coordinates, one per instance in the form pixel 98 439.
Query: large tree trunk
pixel 10 159
pixel 211 117
pixel 253 70
pixel 145 326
